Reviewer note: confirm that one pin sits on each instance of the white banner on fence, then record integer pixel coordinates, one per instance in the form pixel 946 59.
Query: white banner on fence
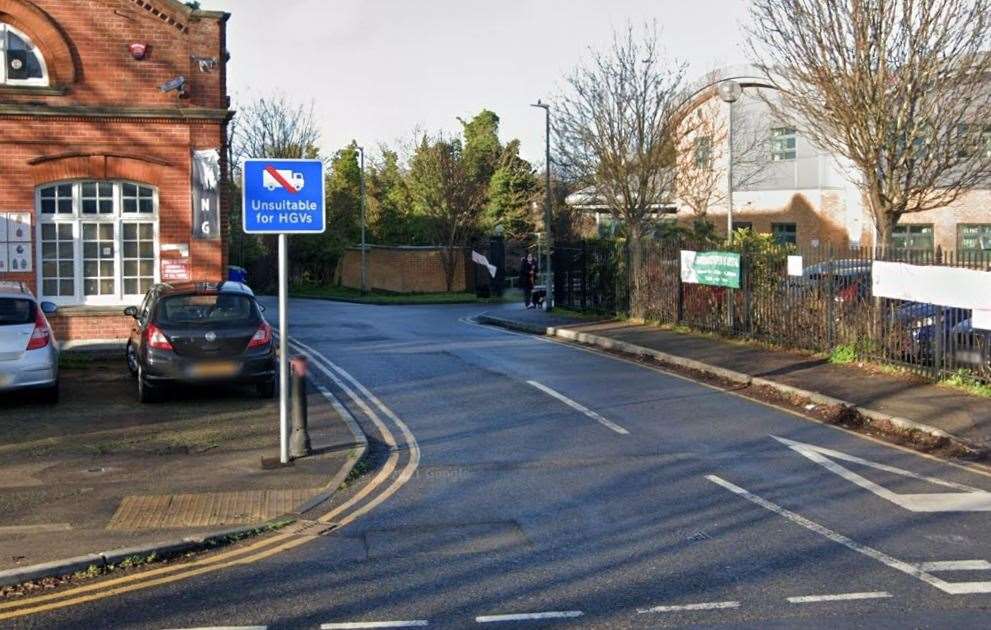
pixel 795 266
pixel 688 273
pixel 946 286
pixel 482 260
pixel 981 319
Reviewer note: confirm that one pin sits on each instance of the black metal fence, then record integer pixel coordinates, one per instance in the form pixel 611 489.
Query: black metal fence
pixel 829 308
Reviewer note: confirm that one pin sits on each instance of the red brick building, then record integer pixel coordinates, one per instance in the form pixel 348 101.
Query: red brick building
pixel 113 133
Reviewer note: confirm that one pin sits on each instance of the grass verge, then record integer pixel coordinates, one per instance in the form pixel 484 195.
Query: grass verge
pixel 966 381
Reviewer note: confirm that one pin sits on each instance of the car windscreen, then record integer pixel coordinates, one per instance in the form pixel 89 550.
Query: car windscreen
pixel 16 311
pixel 219 309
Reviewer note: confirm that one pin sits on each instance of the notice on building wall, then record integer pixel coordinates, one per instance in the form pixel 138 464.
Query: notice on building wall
pixel 981 319
pixel 718 269
pixel 795 266
pixel 15 242
pixel 176 270
pixel 945 286
pixel 206 195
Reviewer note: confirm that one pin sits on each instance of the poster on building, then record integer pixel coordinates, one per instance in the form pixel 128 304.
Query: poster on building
pixel 176 270
pixel 206 195
pixel 718 269
pixel 15 242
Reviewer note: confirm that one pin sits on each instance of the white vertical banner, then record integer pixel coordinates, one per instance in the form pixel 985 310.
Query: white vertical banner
pixel 795 266
pixel 688 273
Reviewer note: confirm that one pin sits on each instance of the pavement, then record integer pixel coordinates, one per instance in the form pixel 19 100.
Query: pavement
pixel 534 484
pixel 100 472
pixel 953 411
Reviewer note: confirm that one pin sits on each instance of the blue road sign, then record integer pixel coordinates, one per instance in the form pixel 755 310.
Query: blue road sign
pixel 282 197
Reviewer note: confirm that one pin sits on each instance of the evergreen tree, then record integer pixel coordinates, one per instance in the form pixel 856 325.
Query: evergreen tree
pixel 512 190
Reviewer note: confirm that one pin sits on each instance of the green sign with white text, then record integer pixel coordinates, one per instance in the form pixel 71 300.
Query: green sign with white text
pixel 718 269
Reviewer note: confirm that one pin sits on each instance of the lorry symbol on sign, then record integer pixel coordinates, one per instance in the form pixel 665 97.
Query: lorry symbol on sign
pixel 285 178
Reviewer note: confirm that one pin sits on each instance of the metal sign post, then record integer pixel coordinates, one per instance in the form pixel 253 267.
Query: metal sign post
pixel 283 197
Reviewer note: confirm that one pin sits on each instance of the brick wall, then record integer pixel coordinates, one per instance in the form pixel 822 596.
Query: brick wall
pixel 103 324
pixel 815 223
pixel 100 69
pixel 401 270
pixel 104 117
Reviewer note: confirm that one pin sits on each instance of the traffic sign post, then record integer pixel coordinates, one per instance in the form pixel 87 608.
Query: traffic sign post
pixel 283 197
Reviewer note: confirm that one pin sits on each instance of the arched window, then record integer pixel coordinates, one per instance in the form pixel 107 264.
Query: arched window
pixel 22 61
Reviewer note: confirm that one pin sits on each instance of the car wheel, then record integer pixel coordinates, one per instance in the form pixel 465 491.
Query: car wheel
pixel 146 393
pixel 266 389
pixel 132 359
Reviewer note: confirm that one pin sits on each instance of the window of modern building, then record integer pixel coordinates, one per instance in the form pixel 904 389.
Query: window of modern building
pixel 785 233
pixel 703 152
pixel 743 225
pixel 974 237
pixel 783 144
pixel 913 238
pixel 22 64
pixel 97 241
pixel 975 140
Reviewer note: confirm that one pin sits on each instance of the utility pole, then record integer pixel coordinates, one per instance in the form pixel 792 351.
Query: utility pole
pixel 549 277
pixel 364 254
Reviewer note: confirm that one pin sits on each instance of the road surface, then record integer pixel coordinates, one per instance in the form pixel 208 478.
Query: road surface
pixel 536 484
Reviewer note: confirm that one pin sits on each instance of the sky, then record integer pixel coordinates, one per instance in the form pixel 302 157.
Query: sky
pixel 376 70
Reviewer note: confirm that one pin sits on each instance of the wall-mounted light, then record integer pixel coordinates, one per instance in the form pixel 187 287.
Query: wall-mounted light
pixel 138 50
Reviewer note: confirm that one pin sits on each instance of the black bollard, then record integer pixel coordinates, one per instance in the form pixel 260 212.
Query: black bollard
pixel 299 441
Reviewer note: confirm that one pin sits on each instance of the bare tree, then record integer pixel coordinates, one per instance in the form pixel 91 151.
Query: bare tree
pixel 703 154
pixel 444 190
pixel 275 127
pixel 615 128
pixel 896 87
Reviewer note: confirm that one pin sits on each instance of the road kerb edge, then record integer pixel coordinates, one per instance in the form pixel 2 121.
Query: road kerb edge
pixel 871 416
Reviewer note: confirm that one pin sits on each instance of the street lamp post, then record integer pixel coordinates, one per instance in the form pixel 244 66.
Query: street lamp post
pixel 730 91
pixel 549 278
pixel 364 254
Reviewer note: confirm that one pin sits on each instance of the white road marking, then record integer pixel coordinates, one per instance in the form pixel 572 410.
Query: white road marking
pixel 585 410
pixel 967 499
pixel 955 565
pixel 954 588
pixel 838 597
pixel 415 623
pixel 682 607
pixel 556 614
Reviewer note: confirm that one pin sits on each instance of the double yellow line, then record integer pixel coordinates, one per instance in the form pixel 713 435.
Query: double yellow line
pixel 341 516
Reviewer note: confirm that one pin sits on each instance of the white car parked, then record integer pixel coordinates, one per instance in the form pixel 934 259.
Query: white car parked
pixel 29 354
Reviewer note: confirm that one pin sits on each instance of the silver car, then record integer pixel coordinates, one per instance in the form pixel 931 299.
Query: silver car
pixel 29 355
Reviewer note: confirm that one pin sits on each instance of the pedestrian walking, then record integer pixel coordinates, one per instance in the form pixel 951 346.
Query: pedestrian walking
pixel 528 278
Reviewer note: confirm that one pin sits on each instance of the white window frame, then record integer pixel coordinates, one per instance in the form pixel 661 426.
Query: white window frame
pixel 42 81
pixel 118 219
pixel 780 152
